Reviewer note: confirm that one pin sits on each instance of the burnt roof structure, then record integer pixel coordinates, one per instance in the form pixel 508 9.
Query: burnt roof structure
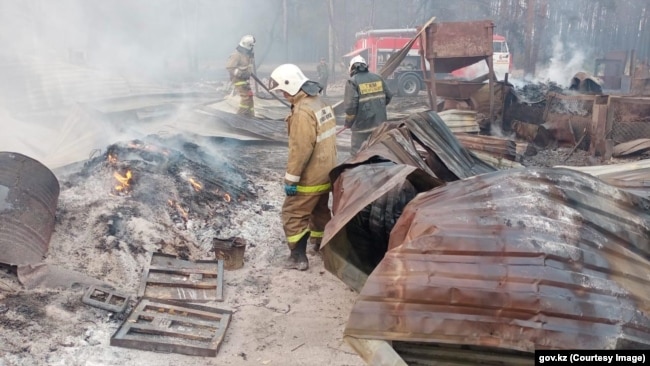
pixel 510 261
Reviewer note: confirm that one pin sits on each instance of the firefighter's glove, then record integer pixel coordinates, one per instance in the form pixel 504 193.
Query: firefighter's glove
pixel 290 189
pixel 349 119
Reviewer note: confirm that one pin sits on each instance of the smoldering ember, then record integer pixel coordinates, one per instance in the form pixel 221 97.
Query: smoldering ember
pixel 501 207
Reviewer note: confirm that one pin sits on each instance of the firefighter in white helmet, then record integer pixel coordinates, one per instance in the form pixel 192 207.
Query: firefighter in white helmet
pixel 312 154
pixel 240 68
pixel 365 99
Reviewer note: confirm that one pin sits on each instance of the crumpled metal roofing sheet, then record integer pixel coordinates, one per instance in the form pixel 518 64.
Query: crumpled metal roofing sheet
pixel 29 193
pixel 632 177
pixel 523 259
pixel 422 148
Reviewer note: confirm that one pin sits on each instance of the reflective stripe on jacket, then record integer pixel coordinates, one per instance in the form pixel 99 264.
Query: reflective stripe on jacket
pixel 312 144
pixel 365 100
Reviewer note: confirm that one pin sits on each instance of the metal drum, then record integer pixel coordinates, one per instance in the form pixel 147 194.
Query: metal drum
pixel 29 193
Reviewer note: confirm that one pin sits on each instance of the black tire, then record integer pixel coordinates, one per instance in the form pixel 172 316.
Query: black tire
pixel 408 85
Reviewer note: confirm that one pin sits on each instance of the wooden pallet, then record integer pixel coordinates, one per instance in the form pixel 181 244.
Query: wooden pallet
pixel 173 326
pixel 169 278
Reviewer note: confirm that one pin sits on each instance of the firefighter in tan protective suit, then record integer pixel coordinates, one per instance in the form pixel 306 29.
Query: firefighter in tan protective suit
pixel 312 154
pixel 240 68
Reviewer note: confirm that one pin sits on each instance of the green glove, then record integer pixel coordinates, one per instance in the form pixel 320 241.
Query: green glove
pixel 290 189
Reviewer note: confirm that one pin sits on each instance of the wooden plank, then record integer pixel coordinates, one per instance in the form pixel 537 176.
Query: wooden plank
pixel 172 282
pixel 598 127
pixel 632 147
pixel 526 149
pixel 201 335
pixel 375 352
pixel 609 123
pixel 183 271
pixel 631 100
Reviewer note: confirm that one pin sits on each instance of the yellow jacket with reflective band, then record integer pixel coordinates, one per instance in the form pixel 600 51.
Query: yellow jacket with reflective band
pixel 238 60
pixel 312 144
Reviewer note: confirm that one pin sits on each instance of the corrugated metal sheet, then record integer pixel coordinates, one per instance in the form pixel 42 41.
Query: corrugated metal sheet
pixel 460 121
pixel 503 261
pixel 29 193
pixel 631 147
pixel 632 177
pixel 521 260
pixel 421 150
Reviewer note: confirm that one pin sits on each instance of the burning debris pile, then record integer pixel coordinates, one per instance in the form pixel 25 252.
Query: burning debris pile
pixel 535 92
pixel 183 196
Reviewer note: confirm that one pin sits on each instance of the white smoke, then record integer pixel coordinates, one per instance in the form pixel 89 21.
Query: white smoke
pixel 56 55
pixel 565 62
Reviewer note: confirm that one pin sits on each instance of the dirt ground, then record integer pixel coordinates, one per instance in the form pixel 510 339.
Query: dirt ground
pixel 279 317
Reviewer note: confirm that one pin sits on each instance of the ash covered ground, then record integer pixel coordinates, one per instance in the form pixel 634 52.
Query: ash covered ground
pixel 280 317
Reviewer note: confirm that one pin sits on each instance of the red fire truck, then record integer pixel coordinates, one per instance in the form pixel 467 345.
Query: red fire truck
pixel 377 45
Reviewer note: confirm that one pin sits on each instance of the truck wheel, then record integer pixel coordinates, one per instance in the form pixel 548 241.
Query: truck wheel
pixel 409 85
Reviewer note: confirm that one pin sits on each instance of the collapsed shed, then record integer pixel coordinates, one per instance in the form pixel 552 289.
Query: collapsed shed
pixel 496 262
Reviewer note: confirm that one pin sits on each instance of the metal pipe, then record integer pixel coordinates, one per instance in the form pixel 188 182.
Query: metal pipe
pixel 387 32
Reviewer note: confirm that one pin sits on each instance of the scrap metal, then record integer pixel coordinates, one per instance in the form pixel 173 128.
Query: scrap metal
pixel 520 260
pixel 391 156
pixel 29 193
pixel 633 177
pixel 509 261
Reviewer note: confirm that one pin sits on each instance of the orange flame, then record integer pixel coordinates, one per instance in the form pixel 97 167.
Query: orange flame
pixel 226 197
pixel 112 159
pixel 124 180
pixel 181 211
pixel 196 185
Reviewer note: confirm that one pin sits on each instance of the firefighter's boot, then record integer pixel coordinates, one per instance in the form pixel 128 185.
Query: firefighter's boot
pixel 314 246
pixel 298 257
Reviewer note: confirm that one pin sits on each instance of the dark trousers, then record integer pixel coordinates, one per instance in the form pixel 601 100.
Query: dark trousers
pixel 357 139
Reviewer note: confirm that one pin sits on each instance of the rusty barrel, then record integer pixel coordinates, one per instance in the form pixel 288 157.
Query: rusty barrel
pixel 29 193
pixel 231 251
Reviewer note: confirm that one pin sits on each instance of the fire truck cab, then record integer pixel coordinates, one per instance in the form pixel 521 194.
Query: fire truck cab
pixel 377 45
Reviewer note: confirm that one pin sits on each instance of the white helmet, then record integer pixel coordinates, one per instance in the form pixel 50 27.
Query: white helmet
pixel 358 59
pixel 247 42
pixel 288 78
